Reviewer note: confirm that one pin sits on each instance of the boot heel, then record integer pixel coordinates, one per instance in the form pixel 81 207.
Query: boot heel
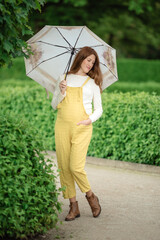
pixel 99 212
pixel 73 212
pixel 94 204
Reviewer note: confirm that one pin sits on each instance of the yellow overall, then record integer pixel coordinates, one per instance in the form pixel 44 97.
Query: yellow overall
pixel 72 141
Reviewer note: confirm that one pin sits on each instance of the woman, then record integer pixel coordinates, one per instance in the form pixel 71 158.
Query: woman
pixel 73 127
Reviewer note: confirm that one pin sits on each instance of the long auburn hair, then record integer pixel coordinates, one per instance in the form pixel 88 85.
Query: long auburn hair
pixel 95 71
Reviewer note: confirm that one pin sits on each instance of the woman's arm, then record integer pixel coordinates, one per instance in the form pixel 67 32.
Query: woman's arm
pixel 57 96
pixel 97 102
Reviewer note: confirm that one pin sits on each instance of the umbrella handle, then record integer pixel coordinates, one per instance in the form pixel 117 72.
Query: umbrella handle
pixel 47 93
pixel 65 77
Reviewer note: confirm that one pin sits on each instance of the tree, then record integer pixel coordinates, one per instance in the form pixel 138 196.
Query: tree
pixel 132 27
pixel 129 26
pixel 14 27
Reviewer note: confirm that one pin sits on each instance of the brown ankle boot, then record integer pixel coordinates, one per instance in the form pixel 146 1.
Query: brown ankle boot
pixel 94 204
pixel 73 212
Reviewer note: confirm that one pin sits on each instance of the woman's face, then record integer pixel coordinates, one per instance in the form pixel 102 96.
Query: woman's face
pixel 88 63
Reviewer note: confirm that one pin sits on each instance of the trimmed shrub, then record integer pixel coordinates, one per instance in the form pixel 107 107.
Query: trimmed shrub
pixel 118 86
pixel 28 193
pixel 129 70
pixel 138 70
pixel 150 87
pixel 129 129
pixel 32 105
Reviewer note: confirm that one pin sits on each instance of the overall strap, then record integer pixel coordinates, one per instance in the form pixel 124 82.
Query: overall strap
pixel 85 81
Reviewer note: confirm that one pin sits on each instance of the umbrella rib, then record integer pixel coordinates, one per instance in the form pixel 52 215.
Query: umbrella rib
pixel 72 53
pixel 55 45
pixel 108 69
pixel 64 37
pixel 98 46
pixel 48 60
pixel 93 46
pixel 78 36
pixel 56 56
pixel 50 44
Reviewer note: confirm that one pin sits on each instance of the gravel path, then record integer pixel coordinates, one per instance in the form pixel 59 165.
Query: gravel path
pixel 130 202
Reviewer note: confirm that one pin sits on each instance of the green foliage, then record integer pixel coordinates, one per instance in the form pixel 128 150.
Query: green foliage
pixel 140 6
pixel 131 27
pixel 14 27
pixel 79 3
pixel 31 103
pixel 28 194
pixel 74 3
pixel 129 129
pixel 130 36
pixel 17 70
pixel 129 70
pixel 149 87
pixel 138 70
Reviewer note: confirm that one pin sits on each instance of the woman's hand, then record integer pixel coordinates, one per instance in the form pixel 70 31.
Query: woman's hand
pixel 85 122
pixel 63 86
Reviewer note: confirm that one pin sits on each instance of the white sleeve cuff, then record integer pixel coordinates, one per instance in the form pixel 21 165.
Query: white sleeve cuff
pixel 57 96
pixel 96 114
pixel 62 95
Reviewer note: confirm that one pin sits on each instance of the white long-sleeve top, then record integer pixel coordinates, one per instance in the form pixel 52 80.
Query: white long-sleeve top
pixel 91 92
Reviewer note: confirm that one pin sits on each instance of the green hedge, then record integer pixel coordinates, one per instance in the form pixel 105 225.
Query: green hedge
pixel 150 87
pixel 17 70
pixel 138 70
pixel 129 70
pixel 28 193
pixel 129 129
pixel 118 86
pixel 31 104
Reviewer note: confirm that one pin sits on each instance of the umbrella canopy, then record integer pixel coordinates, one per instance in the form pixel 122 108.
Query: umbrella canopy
pixel 54 48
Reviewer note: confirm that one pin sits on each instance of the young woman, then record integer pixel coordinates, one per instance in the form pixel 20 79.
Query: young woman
pixel 73 128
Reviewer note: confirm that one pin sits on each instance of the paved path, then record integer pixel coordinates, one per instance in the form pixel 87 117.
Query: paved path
pixel 130 202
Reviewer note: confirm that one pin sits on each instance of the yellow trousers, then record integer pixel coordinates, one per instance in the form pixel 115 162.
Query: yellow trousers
pixel 72 141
